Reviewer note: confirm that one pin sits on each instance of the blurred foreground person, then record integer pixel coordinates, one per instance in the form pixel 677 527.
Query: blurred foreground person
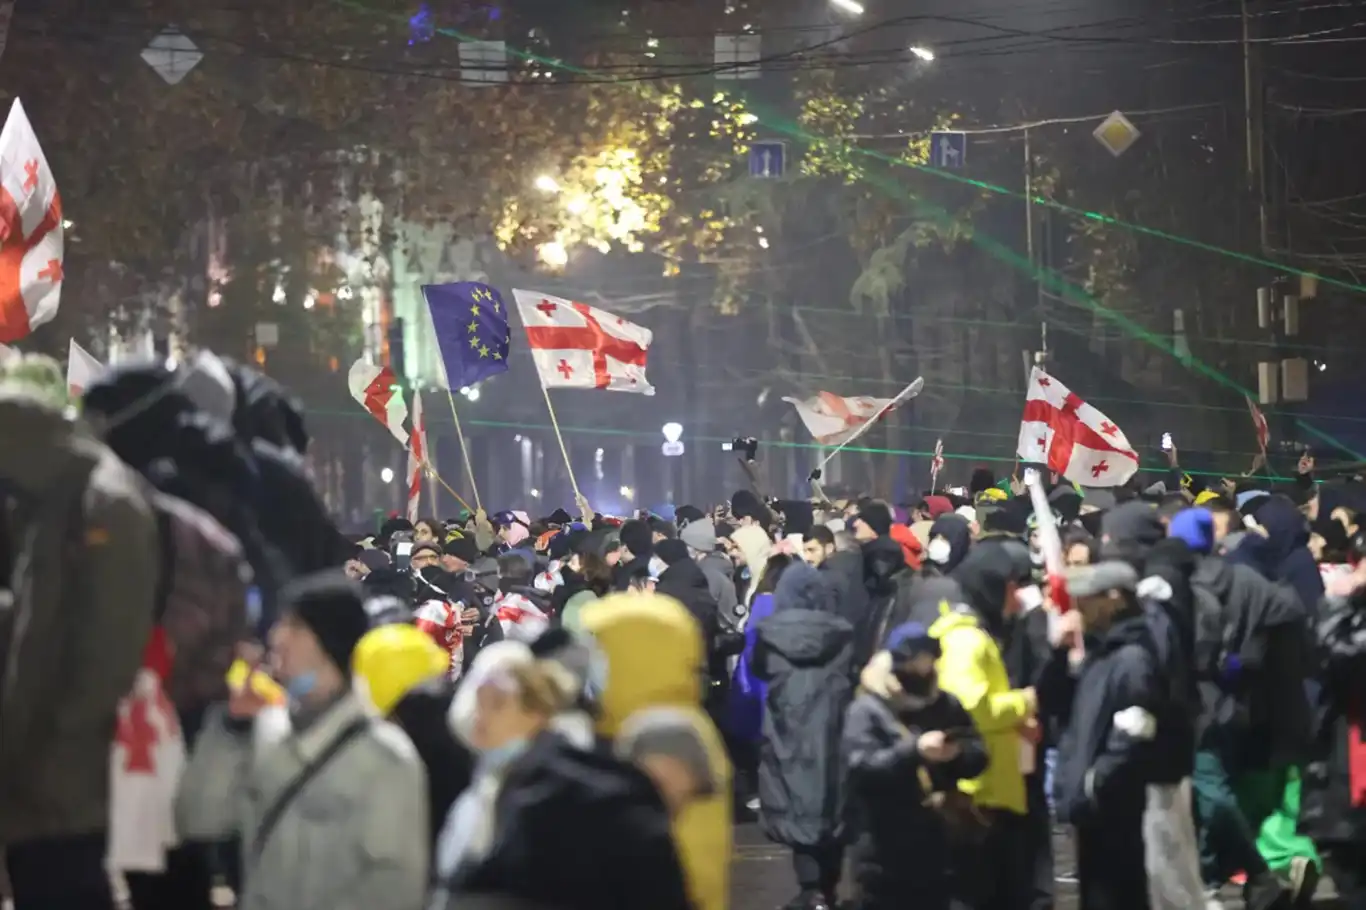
pixel 534 784
pixel 907 745
pixel 71 642
pixel 655 659
pixel 330 802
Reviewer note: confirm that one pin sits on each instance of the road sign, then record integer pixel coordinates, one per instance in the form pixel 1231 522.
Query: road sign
pixel 767 159
pixel 672 449
pixel 1117 134
pixel 949 150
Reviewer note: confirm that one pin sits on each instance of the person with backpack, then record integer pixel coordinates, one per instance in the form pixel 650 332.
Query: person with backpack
pixel 330 802
pixel 71 642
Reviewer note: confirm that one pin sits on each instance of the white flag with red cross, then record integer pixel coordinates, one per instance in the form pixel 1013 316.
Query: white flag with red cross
pixel 378 391
pixel 576 346
pixel 30 231
pixel 417 459
pixel 834 419
pixel 82 368
pixel 1071 437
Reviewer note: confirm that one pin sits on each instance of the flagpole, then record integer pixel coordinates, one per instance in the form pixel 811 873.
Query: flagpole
pixel 464 450
pixel 564 451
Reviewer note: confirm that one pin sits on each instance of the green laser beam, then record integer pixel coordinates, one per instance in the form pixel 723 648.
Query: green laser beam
pixel 1060 284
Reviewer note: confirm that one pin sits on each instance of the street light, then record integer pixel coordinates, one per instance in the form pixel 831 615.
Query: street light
pixel 547 184
pixel 627 493
pixel 387 475
pixel 849 6
pixel 672 431
pixel 924 53
pixel 470 392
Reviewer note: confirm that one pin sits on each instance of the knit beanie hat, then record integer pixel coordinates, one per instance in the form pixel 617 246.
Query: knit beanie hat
pixel 877 517
pixel 636 537
pixel 745 504
pixel 672 551
pixel 332 607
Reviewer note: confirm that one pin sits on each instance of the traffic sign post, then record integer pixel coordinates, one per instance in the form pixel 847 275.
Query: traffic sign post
pixel 949 150
pixel 1116 133
pixel 767 160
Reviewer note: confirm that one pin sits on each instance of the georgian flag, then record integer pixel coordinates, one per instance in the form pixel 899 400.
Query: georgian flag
pixel 30 231
pixel 417 459
pixel 1259 424
pixel 377 389
pixel 1071 437
pixel 834 420
pixel 576 346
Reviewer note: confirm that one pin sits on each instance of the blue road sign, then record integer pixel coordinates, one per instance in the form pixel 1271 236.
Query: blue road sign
pixel 767 159
pixel 949 150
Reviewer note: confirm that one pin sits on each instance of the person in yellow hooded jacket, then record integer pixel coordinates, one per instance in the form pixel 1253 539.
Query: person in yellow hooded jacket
pixel 994 873
pixel 655 660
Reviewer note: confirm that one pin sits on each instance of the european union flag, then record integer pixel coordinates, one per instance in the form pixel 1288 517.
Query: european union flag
pixel 471 323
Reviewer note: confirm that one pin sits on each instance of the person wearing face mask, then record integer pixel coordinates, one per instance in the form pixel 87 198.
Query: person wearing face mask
pixel 534 781
pixel 907 745
pixel 997 872
pixel 330 803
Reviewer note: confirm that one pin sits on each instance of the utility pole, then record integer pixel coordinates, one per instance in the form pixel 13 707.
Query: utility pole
pixel 1041 355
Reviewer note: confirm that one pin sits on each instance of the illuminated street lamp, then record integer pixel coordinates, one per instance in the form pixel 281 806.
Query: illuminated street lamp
pixel 553 254
pixel 924 53
pixel 849 6
pixel 627 493
pixel 673 433
pixel 547 184
pixel 387 475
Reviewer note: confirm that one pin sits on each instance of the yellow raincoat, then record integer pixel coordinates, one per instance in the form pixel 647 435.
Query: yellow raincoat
pixel 971 669
pixel 655 659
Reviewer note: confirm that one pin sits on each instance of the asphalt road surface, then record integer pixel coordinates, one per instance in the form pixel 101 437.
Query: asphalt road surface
pixel 761 878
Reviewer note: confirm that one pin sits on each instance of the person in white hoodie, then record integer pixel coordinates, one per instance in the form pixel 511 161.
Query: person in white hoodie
pixel 330 802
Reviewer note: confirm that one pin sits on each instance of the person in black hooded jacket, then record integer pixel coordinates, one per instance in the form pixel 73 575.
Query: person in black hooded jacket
pixel 638 541
pixel 686 583
pixel 804 651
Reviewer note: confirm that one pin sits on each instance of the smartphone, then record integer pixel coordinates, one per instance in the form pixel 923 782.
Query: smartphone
pixel 1166 442
pixel 403 555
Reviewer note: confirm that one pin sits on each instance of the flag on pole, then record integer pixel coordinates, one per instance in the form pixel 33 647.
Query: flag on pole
pixel 379 392
pixel 417 458
pixel 936 464
pixel 834 420
pixel 1071 437
pixel 30 231
pixel 1260 424
pixel 81 370
pixel 576 346
pixel 470 322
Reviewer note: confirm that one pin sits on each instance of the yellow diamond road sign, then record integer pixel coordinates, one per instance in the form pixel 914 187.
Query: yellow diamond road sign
pixel 1117 134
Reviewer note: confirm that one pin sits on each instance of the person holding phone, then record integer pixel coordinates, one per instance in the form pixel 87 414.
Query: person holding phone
pixel 907 744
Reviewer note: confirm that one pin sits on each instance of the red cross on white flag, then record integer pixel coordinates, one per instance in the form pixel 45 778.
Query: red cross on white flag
pixel 1071 437
pixel 834 420
pixel 82 368
pixel 30 231
pixel 417 458
pixel 377 389
pixel 1259 423
pixel 576 346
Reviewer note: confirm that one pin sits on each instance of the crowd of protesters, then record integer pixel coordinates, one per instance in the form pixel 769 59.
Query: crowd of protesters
pixel 574 711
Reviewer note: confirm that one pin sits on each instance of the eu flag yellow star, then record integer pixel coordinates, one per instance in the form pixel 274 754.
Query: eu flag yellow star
pixel 497 356
pixel 473 327
pixel 474 309
pixel 483 351
pixel 474 344
pixel 496 307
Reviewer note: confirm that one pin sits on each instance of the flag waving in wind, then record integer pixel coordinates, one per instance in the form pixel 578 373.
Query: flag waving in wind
pixel 576 346
pixel 835 420
pixel 82 368
pixel 1071 437
pixel 470 321
pixel 378 391
pixel 30 231
pixel 1260 425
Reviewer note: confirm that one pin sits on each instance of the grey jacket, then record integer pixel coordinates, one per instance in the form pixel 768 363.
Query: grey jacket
pixel 356 837
pixel 72 637
pixel 721 584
